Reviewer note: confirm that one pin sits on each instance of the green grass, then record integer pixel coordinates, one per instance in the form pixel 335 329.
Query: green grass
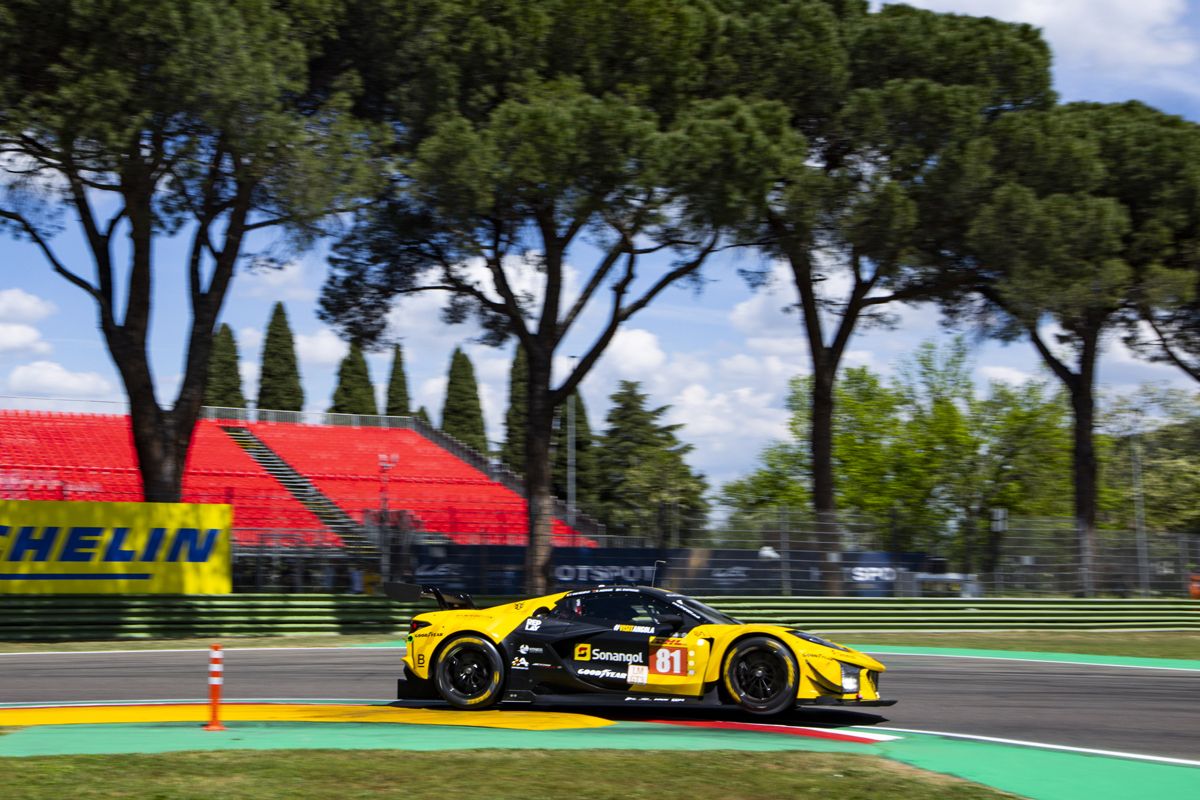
pixel 316 640
pixel 492 774
pixel 1150 644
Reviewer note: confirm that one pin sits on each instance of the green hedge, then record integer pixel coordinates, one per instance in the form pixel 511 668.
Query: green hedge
pixel 104 617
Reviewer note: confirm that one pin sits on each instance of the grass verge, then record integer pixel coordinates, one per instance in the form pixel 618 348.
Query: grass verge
pixel 495 774
pixel 1150 644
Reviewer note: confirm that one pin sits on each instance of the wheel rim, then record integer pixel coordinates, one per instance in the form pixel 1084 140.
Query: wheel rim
pixel 468 672
pixel 760 674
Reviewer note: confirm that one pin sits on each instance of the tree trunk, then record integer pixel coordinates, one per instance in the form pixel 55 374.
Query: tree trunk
pixel 1083 404
pixel 539 475
pixel 824 503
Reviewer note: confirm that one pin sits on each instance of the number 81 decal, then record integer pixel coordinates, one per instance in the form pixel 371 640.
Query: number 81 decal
pixel 668 661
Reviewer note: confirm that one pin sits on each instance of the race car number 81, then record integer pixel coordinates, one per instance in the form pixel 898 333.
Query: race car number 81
pixel 668 661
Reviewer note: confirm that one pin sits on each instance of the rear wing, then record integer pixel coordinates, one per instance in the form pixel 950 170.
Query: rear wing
pixel 414 592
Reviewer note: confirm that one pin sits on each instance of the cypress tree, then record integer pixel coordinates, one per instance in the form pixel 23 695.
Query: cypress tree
pixel 397 393
pixel 354 393
pixel 423 415
pixel 645 483
pixel 279 379
pixel 517 416
pixel 462 415
pixel 224 389
pixel 586 468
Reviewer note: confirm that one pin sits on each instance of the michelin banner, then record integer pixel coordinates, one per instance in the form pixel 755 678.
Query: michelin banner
pixel 114 548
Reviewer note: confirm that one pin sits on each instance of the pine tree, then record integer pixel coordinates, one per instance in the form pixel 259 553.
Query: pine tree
pixel 354 393
pixel 423 415
pixel 517 416
pixel 462 415
pixel 586 468
pixel 224 389
pixel 279 386
pixel 645 485
pixel 397 394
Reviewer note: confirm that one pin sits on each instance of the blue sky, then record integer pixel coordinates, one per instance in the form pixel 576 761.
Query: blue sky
pixel 721 358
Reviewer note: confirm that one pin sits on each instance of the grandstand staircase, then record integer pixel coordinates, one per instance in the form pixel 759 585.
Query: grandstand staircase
pixel 354 538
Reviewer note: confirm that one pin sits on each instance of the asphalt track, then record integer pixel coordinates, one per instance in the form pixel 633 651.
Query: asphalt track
pixel 1150 712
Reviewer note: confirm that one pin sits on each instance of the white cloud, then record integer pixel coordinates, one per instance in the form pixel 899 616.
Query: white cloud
pixel 432 394
pixel 291 281
pixel 17 305
pixel 248 372
pixel 53 379
pixel 1010 375
pixel 320 349
pixel 634 353
pixel 18 338
pixel 249 340
pixel 1116 40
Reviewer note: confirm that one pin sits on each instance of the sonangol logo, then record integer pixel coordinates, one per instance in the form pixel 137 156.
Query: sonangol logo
pixel 583 652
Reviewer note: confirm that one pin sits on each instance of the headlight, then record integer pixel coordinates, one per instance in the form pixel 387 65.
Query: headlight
pixel 850 678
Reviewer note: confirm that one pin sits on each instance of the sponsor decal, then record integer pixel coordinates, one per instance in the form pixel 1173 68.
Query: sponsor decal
pixel 420 659
pixel 526 649
pixel 519 606
pixel 639 673
pixel 520 663
pixel 540 665
pixel 661 641
pixel 584 652
pixel 430 634
pixel 602 673
pixel 633 628
pixel 532 624
pixel 655 699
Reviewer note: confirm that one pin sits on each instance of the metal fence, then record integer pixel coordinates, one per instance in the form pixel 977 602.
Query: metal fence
pixel 795 556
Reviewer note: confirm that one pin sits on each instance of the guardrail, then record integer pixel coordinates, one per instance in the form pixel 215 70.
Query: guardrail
pixel 110 617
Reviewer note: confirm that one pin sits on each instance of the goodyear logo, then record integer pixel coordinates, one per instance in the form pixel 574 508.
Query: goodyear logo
pixel 66 547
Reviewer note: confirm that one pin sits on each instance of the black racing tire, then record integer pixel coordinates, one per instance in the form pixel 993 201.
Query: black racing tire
pixel 469 673
pixel 760 675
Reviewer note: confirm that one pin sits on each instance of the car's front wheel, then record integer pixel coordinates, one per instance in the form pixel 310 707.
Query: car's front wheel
pixel 470 673
pixel 760 675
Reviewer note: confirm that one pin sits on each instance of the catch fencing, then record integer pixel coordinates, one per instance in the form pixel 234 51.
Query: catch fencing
pixel 1030 558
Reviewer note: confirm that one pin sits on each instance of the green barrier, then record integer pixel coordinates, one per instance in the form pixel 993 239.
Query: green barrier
pixel 105 617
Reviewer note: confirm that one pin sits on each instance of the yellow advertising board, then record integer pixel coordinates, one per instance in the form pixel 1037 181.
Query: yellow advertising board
pixel 114 548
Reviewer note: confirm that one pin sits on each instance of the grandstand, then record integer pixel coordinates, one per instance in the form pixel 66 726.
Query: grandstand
pixel 310 485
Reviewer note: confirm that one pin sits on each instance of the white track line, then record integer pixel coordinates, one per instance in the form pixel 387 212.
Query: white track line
pixel 187 650
pixel 1044 746
pixel 1038 661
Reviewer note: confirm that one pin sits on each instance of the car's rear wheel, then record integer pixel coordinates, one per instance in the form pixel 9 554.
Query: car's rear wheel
pixel 470 673
pixel 760 675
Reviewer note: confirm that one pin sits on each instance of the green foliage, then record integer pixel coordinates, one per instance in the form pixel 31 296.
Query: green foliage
pixel 1153 435
pixel 923 458
pixel 224 388
pixel 646 486
pixel 516 419
pixel 462 415
pixel 397 392
pixel 587 469
pixel 144 119
pixel 354 393
pixel 279 386
pixel 423 415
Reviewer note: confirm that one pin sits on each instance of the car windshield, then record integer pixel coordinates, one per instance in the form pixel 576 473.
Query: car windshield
pixel 710 614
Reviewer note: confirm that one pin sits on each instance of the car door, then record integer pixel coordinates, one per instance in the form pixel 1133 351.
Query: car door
pixel 616 645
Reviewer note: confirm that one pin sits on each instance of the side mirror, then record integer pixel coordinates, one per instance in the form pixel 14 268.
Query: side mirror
pixel 668 624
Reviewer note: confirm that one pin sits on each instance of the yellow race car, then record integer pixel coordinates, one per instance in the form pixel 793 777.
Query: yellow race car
pixel 622 645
